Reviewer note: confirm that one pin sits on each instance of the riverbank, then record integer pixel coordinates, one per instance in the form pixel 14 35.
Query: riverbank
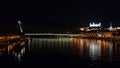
pixel 10 38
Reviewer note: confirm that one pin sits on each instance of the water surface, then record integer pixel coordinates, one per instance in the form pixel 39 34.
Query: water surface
pixel 61 52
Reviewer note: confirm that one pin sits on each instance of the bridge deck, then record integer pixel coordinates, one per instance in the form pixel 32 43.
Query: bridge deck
pixel 47 34
pixel 52 34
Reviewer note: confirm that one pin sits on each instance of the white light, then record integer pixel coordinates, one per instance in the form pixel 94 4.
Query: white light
pixel 118 27
pixel 95 24
pixel 82 29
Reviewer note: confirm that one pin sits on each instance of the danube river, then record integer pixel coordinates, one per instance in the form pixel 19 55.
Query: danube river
pixel 60 52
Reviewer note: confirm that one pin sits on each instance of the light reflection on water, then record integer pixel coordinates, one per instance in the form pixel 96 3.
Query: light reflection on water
pixel 12 52
pixel 91 49
pixel 63 51
pixel 94 50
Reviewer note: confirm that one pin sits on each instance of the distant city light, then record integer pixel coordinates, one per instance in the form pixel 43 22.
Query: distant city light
pixel 118 27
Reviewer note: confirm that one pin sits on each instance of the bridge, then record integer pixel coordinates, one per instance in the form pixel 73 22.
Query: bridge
pixel 51 34
pixel 47 34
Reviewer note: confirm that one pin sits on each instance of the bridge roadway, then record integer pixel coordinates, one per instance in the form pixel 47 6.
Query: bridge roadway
pixel 32 34
pixel 86 34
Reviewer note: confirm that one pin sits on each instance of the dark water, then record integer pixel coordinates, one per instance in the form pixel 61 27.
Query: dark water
pixel 60 52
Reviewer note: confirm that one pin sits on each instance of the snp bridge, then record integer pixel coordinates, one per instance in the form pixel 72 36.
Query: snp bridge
pixel 52 34
pixel 44 34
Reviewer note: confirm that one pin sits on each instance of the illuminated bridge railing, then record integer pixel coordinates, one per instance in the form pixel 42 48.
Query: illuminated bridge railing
pixel 46 34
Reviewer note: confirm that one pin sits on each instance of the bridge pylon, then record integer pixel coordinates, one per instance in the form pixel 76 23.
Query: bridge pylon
pixel 20 27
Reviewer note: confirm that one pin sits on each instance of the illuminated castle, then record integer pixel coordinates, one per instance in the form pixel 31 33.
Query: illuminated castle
pixel 97 27
pixel 95 24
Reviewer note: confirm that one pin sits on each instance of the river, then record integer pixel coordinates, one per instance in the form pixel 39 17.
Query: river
pixel 61 52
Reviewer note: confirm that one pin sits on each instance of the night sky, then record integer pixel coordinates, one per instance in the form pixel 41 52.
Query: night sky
pixel 57 15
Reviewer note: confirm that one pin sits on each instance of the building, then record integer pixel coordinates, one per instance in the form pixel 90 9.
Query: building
pixel 96 30
pixel 95 24
pixel 92 27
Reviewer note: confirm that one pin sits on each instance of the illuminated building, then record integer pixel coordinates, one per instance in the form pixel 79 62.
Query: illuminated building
pixel 95 24
pixel 96 30
pixel 96 27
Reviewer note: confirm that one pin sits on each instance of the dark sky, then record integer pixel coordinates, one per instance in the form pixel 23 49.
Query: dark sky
pixel 58 15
